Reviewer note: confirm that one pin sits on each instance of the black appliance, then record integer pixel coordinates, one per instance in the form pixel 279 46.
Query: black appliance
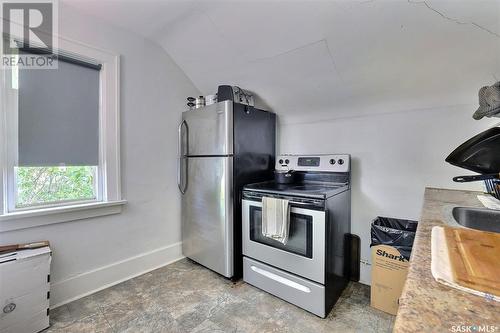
pixel 480 154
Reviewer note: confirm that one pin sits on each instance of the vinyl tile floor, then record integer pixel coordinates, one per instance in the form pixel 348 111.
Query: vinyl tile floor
pixel 186 297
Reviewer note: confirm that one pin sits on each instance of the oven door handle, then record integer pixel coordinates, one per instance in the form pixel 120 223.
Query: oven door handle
pixel 298 203
pixel 280 279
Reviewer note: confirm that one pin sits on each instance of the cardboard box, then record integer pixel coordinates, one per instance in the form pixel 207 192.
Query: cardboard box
pixel 25 290
pixel 389 270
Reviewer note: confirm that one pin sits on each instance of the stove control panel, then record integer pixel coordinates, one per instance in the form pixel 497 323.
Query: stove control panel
pixel 323 163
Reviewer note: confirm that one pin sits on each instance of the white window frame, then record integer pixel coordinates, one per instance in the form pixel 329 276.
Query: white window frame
pixel 109 199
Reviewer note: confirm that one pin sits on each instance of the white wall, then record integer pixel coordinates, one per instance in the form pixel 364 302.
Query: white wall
pixel 394 157
pixel 89 254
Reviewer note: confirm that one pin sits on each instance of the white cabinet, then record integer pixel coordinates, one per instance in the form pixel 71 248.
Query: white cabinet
pixel 25 290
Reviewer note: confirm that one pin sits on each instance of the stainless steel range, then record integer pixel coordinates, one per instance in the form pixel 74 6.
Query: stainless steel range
pixel 311 269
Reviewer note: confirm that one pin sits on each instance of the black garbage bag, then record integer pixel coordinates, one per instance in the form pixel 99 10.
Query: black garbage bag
pixel 397 233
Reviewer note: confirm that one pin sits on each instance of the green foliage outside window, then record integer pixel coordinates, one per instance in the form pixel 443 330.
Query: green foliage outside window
pixel 45 185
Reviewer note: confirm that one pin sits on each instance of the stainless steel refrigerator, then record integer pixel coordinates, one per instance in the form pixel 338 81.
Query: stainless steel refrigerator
pixel 222 147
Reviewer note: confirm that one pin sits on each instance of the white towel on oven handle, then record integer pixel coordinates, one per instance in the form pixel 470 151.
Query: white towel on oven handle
pixel 275 219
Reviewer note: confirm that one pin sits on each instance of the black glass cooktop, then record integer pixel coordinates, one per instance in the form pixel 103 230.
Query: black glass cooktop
pixel 304 189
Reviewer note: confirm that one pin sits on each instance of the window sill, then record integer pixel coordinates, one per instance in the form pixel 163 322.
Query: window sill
pixel 45 216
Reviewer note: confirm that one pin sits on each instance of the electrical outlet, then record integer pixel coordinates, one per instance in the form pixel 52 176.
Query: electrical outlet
pixel 365 262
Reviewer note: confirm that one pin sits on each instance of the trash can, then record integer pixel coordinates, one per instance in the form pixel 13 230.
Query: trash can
pixel 391 244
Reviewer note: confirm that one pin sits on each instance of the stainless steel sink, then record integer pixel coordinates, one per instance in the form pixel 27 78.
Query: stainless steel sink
pixel 477 218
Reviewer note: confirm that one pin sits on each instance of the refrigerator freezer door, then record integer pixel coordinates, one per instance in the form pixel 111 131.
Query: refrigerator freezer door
pixel 207 213
pixel 208 131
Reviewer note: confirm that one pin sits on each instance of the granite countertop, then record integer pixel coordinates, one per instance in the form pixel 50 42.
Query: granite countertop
pixel 428 306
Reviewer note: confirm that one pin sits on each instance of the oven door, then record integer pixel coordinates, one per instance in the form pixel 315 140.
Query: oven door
pixel 304 253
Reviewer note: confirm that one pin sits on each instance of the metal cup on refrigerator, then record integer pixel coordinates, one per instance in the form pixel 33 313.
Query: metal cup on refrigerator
pixel 210 99
pixel 200 102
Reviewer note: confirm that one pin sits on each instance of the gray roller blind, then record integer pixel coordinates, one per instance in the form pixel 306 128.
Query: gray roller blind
pixel 59 115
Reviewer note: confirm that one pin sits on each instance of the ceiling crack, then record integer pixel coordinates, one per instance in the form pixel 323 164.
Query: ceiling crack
pixel 334 63
pixel 323 40
pixel 286 52
pixel 455 20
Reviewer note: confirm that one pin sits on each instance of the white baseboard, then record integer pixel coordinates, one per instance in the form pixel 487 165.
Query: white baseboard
pixel 87 283
pixel 365 275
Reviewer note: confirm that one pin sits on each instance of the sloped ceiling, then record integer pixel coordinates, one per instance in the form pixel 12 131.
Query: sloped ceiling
pixel 327 58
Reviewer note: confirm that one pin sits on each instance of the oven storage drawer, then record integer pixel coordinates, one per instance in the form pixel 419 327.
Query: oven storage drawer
pixel 301 292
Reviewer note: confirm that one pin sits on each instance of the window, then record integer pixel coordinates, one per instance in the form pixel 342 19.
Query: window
pixel 57 155
pixel 60 129
pixel 37 186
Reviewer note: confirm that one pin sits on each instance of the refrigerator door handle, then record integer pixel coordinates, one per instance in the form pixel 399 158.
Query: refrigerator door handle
pixel 181 158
